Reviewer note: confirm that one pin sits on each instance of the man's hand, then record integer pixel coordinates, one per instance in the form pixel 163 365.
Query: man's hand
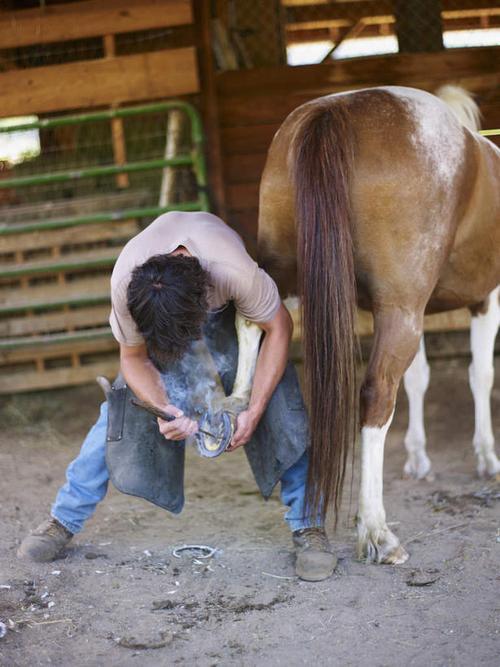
pixel 178 429
pixel 246 423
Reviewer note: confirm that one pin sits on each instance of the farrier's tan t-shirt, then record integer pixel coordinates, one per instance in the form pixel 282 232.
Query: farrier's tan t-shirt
pixel 234 276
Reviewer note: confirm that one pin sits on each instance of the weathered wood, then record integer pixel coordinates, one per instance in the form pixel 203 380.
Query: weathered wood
pixel 89 19
pixel 75 292
pixel 102 342
pixel 57 377
pixel 70 208
pixel 70 235
pixel 145 76
pixel 48 322
pixel 74 261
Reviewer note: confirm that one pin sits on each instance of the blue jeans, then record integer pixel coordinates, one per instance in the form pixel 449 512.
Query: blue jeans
pixel 87 480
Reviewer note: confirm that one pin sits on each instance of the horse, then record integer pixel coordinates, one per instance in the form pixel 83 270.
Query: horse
pixel 378 198
pixel 484 325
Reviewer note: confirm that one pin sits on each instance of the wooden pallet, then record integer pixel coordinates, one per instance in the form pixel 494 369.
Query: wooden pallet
pixel 54 300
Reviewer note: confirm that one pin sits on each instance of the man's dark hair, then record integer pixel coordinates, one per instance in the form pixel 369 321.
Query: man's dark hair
pixel 167 298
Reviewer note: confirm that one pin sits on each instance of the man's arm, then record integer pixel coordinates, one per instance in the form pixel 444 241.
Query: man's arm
pixel 145 381
pixel 271 364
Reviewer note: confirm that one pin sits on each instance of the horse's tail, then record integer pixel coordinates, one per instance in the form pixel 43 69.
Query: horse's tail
pixel 323 163
pixel 463 105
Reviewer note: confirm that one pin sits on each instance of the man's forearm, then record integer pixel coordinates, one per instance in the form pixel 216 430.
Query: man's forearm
pixel 144 380
pixel 271 364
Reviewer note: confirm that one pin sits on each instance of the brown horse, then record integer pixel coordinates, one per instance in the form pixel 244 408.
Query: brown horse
pixel 378 197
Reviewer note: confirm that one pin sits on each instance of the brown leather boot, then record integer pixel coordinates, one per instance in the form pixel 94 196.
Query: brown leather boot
pixel 45 543
pixel 315 559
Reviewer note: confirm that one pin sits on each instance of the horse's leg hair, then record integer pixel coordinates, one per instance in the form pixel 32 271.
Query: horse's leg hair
pixel 416 381
pixel 483 332
pixel 396 340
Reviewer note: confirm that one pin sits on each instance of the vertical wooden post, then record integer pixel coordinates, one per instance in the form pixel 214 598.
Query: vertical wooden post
pixel 119 151
pixel 209 105
pixel 175 123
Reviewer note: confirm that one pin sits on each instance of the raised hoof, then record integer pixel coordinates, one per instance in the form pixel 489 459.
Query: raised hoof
pixel 221 426
pixel 381 547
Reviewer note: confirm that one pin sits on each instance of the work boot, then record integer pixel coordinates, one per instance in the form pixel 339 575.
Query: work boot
pixel 45 542
pixel 315 559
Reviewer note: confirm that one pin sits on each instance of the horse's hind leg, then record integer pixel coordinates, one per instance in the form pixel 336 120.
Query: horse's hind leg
pixel 484 327
pixel 397 335
pixel 416 381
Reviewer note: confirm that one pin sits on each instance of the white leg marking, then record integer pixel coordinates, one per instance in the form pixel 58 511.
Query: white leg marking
pixel 483 333
pixel 249 335
pixel 416 381
pixel 375 541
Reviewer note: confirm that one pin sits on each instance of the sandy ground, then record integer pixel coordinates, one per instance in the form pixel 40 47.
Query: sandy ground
pixel 119 590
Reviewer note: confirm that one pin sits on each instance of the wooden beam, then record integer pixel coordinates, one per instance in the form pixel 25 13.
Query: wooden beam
pixel 100 231
pixel 57 377
pixel 210 106
pixel 459 20
pixel 67 344
pixel 303 13
pixel 57 23
pixel 44 323
pixel 52 295
pixel 95 83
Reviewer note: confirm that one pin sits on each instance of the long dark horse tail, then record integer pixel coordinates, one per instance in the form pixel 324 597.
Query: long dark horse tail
pixel 323 163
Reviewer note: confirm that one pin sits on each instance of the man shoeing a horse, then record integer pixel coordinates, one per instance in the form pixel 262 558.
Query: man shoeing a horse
pixel 189 307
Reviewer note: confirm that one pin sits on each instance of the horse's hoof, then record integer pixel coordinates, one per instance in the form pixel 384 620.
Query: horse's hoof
pixel 489 469
pixel 397 556
pixel 380 546
pixel 215 434
pixel 418 468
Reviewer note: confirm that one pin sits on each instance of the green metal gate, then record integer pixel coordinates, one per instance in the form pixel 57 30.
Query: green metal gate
pixel 61 231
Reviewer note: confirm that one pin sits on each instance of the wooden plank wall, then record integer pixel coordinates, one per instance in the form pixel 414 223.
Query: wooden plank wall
pixel 103 82
pixel 253 103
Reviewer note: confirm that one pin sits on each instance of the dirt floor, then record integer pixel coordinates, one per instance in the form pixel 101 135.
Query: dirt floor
pixel 121 598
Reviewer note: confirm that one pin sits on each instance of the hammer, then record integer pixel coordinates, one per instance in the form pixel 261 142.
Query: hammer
pixel 152 409
pixel 105 385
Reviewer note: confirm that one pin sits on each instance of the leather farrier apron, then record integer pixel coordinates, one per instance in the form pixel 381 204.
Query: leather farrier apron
pixel 141 462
